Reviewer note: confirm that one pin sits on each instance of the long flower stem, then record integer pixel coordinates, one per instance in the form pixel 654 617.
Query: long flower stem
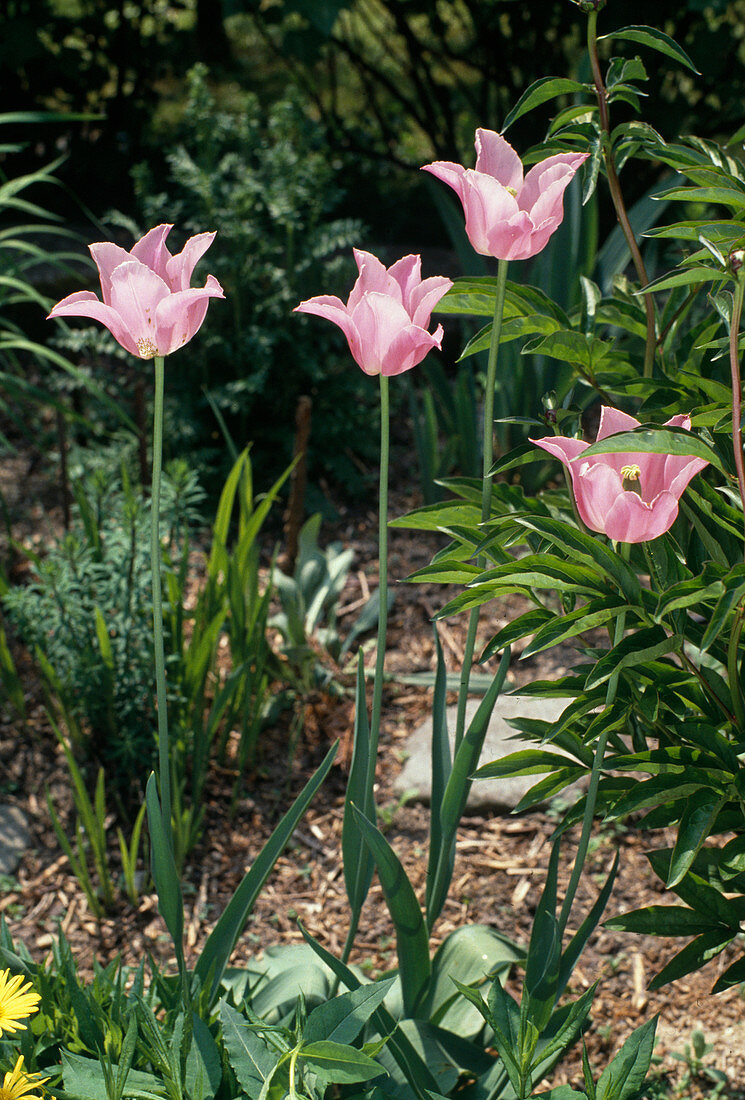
pixel 382 572
pixel 488 457
pixel 734 359
pixel 164 762
pixel 614 185
pixel 592 790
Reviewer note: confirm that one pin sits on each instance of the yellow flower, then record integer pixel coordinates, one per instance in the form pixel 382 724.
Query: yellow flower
pixel 19 1085
pixel 17 1000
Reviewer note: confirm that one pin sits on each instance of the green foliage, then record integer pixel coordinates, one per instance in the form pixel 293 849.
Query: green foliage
pixel 266 184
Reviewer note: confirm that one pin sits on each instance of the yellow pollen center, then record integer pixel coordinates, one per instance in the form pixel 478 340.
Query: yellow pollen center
pixel 512 191
pixel 630 473
pixel 147 349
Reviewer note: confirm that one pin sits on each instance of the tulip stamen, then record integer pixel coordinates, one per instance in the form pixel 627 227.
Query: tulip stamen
pixel 147 349
pixel 630 479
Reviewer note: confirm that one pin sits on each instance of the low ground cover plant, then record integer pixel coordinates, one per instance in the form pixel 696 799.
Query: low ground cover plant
pixel 644 542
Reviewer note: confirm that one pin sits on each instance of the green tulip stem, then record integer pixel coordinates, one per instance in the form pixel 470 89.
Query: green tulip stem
pixel 164 763
pixel 734 359
pixel 382 575
pixel 597 765
pixel 488 457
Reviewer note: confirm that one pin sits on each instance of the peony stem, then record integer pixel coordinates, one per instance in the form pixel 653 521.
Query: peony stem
pixel 614 185
pixel 164 762
pixel 488 457
pixel 592 790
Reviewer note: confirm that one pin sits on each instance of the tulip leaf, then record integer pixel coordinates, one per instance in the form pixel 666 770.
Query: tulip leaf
pixel 356 859
pixel 656 40
pixel 541 91
pixel 649 439
pixel 412 941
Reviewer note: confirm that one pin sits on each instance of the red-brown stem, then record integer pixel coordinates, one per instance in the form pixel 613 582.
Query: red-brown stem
pixel 614 185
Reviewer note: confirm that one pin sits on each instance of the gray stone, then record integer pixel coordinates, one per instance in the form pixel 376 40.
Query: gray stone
pixel 14 838
pixel 415 778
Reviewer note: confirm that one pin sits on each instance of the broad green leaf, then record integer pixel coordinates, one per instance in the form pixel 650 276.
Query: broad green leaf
pixel 653 440
pixel 707 901
pixel 623 1078
pixel 656 791
pixel 251 1059
pixel 541 91
pixel 341 1019
pixel 590 616
pixel 441 768
pixel 84 1077
pixel 656 40
pixel 339 1064
pixel 222 939
pixel 662 920
pixel 203 1064
pixel 693 956
pixel 696 824
pixel 543 960
pixel 585 352
pixel 733 975
pixel 633 650
pixel 412 941
pixel 403 1053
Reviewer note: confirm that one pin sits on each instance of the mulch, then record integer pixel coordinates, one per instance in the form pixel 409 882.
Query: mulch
pixel 500 864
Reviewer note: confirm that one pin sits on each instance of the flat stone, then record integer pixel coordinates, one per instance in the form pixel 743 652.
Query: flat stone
pixel 14 838
pixel 502 795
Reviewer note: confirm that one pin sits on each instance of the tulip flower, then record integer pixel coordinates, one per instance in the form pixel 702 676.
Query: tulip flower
pixel 148 305
pixel 632 496
pixel 508 216
pixel 387 313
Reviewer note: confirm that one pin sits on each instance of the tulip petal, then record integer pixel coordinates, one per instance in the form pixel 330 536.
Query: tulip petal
pixel 179 316
pixel 180 268
pixel 107 258
pixel 151 250
pixel 490 216
pixel 450 173
pixel 629 519
pixel 330 307
pixel 425 297
pixel 84 303
pixel 596 488
pixel 544 177
pixel 373 277
pixel 409 347
pixel 613 421
pixel 562 447
pixel 136 292
pixel 496 157
pixel 408 274
pixel 378 319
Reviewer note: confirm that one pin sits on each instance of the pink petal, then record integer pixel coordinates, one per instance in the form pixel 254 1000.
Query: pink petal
pixel 489 208
pixel 545 175
pixel 179 269
pixel 496 157
pixel 373 276
pixel 631 520
pixel 562 447
pixel 330 307
pixel 450 173
pixel 84 303
pixel 378 319
pixel 151 250
pixel 680 420
pixel 179 316
pixel 596 488
pixel 409 347
pixel 136 292
pixel 107 257
pixel 425 297
pixel 613 421
pixel 513 239
pixel 408 274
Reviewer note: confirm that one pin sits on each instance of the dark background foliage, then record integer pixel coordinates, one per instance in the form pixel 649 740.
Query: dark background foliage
pixel 315 118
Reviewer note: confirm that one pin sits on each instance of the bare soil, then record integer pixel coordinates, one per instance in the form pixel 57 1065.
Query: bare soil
pixel 500 864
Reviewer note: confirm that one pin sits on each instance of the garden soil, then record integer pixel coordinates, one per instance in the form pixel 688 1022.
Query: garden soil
pixel 500 863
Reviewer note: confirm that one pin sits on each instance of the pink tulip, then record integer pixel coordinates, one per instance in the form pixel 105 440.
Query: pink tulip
pixel 387 313
pixel 148 305
pixel 507 216
pixel 630 497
